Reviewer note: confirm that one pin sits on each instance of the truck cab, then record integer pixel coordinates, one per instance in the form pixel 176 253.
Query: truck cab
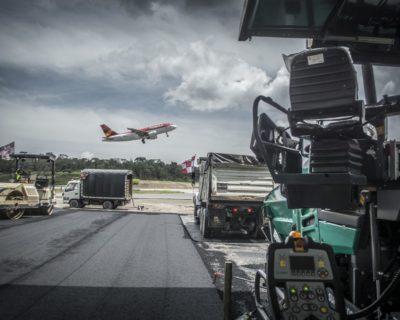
pixel 72 194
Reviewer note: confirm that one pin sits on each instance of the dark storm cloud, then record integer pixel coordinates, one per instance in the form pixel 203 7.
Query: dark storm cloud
pixel 133 63
pixel 188 5
pixel 226 11
pixel 39 87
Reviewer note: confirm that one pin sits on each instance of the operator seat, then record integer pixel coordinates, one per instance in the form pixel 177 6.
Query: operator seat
pixel 323 86
pixel 41 182
pixel 325 109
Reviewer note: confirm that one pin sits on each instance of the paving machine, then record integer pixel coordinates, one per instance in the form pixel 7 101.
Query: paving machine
pixel 32 188
pixel 336 163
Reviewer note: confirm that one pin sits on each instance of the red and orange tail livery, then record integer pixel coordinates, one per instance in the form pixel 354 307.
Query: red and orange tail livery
pixel 108 132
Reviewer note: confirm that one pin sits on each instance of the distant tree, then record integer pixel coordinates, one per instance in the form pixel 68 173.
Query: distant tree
pixel 152 169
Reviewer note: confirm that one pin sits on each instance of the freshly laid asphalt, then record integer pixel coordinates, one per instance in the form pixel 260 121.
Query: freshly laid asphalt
pixel 89 264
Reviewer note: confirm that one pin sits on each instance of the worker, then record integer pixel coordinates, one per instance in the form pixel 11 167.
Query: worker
pixel 18 174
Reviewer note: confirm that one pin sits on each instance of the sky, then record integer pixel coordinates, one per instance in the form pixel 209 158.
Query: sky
pixel 68 66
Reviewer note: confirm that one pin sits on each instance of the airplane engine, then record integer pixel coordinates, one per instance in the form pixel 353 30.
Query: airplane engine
pixel 152 135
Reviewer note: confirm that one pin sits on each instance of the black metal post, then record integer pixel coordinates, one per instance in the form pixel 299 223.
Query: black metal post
pixel 53 180
pixel 369 84
pixel 227 290
pixel 375 246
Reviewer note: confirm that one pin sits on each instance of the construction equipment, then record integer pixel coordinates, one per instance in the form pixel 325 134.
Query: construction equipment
pixel 32 189
pixel 337 168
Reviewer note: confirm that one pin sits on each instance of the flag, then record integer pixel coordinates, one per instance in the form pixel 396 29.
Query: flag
pixel 7 150
pixel 188 165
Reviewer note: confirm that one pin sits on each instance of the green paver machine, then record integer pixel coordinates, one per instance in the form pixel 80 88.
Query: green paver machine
pixel 337 166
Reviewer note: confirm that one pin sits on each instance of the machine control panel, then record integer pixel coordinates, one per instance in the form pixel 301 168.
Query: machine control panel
pixel 311 265
pixel 302 281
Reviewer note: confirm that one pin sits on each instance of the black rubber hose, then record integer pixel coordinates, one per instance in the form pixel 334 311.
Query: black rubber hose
pixel 381 299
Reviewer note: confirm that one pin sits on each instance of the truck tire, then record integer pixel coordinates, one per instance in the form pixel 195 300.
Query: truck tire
pixel 204 228
pixel 196 217
pixel 74 203
pixel 108 205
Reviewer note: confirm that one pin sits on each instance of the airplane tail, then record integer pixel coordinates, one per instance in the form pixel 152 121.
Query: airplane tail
pixel 108 132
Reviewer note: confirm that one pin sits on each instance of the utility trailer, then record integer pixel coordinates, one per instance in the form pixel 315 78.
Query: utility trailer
pixel 232 189
pixel 109 188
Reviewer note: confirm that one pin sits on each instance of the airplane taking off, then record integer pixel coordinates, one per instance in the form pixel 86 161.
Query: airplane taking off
pixel 137 134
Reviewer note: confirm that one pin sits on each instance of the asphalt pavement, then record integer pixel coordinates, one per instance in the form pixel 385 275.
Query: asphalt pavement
pixel 95 264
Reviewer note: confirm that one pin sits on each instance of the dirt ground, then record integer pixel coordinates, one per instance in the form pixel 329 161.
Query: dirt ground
pixel 154 184
pixel 167 203
pixel 164 205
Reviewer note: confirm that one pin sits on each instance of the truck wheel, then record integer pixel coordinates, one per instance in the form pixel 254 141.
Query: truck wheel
pixel 204 228
pixel 196 216
pixel 108 205
pixel 74 203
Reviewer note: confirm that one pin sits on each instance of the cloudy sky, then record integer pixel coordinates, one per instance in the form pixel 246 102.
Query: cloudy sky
pixel 68 66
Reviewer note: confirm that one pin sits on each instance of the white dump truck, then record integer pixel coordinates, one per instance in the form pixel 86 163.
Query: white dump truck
pixel 109 188
pixel 232 189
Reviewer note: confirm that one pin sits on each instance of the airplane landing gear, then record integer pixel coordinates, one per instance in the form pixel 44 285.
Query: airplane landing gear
pixel 143 140
pixel 167 134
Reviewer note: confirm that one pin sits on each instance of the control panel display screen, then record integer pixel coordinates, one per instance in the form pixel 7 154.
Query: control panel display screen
pixel 302 263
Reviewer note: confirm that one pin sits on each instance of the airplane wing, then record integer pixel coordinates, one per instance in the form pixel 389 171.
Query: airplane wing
pixel 140 133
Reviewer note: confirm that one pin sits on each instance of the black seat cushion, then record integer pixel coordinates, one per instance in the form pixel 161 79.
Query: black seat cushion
pixel 348 219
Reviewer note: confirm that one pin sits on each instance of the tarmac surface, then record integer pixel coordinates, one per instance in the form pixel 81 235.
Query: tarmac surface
pixel 97 264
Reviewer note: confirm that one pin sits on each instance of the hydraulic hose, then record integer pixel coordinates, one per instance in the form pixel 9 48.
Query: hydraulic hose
pixel 381 299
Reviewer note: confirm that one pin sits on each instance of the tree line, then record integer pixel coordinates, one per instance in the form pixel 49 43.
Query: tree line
pixel 142 168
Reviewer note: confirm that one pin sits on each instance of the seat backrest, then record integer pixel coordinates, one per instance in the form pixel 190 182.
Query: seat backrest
pixel 323 84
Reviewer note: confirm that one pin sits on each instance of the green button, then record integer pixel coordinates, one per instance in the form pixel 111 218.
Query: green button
pixel 323 309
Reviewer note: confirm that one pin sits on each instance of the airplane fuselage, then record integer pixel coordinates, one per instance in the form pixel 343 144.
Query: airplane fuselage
pixel 152 133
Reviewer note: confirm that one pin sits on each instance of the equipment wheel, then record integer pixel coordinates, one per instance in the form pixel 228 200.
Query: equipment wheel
pixel 74 203
pixel 14 213
pixel 204 228
pixel 108 205
pixel 47 210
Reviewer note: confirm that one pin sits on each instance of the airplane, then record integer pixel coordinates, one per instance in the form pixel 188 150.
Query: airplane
pixel 137 134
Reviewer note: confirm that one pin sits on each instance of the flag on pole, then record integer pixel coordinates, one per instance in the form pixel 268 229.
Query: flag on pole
pixel 7 150
pixel 188 165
